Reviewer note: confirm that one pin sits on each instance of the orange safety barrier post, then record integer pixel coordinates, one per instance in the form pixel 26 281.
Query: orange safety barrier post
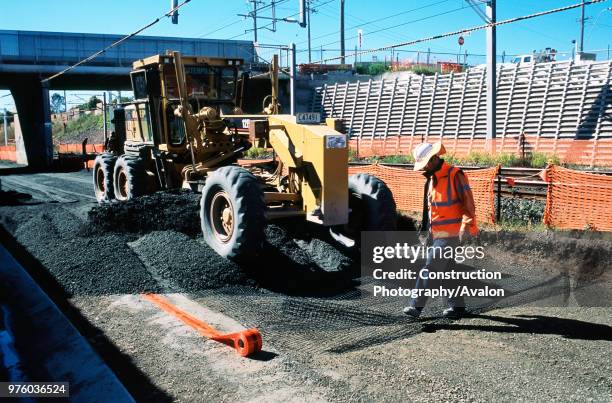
pixel 578 200
pixel 407 187
pixel 246 342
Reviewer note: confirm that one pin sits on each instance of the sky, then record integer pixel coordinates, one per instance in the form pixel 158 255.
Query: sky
pixel 383 22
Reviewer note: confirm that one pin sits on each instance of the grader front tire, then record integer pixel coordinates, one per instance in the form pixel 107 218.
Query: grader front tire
pixel 232 213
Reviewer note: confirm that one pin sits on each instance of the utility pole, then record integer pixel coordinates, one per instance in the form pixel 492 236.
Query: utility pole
pixel 175 14
pixel 308 24
pixel 273 5
pixel 254 15
pixel 491 77
pixel 360 42
pixel 342 31
pixel 581 46
pixel 292 77
pixel 305 22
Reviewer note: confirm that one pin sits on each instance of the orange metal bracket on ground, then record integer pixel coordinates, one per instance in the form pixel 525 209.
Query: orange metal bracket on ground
pixel 246 342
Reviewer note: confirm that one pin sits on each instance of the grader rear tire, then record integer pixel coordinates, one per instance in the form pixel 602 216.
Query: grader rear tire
pixel 372 208
pixel 232 213
pixel 104 165
pixel 129 178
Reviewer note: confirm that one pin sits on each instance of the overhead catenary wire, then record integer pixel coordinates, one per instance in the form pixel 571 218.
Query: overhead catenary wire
pixel 461 31
pixel 118 42
pixel 361 22
pixel 402 24
pixel 361 25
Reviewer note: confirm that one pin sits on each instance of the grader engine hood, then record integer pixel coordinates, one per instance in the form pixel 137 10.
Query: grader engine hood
pixel 319 156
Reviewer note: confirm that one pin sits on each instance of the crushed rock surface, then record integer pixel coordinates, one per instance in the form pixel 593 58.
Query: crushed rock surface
pixel 349 351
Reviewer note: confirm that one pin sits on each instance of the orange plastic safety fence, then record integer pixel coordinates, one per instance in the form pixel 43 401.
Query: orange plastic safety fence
pixel 578 200
pixel 78 148
pixel 407 188
pixel 8 153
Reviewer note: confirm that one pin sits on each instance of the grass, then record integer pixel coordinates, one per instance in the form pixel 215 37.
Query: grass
pixel 85 123
pixel 475 158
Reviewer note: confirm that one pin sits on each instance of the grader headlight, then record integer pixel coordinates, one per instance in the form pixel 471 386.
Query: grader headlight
pixel 336 141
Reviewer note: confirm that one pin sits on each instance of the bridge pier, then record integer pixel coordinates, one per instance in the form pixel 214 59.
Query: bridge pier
pixel 32 103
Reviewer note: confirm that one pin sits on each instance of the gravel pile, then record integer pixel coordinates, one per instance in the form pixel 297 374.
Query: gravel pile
pixel 154 244
pixel 96 265
pixel 294 255
pixel 178 261
pixel 176 211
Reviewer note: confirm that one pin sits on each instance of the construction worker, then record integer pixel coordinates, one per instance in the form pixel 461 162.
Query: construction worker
pixel 449 219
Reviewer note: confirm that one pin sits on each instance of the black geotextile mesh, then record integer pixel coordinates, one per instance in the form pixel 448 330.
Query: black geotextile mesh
pixel 302 291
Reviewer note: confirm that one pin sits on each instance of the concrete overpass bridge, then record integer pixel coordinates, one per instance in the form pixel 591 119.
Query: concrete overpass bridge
pixel 27 57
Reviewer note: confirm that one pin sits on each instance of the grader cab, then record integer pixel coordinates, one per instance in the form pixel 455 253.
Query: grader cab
pixel 185 128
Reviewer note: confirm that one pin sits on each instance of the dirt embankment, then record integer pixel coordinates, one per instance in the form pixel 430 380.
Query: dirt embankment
pixel 577 254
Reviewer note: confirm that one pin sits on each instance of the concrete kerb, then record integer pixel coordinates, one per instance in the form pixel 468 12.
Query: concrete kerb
pixel 62 353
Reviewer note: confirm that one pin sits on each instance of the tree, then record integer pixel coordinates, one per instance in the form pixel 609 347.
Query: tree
pixel 93 102
pixel 58 103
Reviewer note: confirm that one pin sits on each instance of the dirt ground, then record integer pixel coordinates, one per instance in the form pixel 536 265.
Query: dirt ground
pixel 325 337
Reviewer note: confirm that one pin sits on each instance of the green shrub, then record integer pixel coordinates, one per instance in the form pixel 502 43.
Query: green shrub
pixel 257 153
pixel 480 159
pixel 398 159
pixel 509 160
pixel 521 211
pixel 376 69
pixel 424 70
pixel 452 159
pixel 540 160
pixel 361 69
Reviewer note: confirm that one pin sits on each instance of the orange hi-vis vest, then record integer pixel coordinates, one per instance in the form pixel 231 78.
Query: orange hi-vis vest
pixel 445 206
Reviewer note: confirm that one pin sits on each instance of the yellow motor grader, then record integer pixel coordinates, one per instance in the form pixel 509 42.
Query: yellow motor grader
pixel 185 128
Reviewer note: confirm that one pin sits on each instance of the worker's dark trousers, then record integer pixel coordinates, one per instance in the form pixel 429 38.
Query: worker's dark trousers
pixel 436 264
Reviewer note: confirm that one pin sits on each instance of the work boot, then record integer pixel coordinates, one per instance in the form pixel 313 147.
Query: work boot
pixel 412 312
pixel 453 313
